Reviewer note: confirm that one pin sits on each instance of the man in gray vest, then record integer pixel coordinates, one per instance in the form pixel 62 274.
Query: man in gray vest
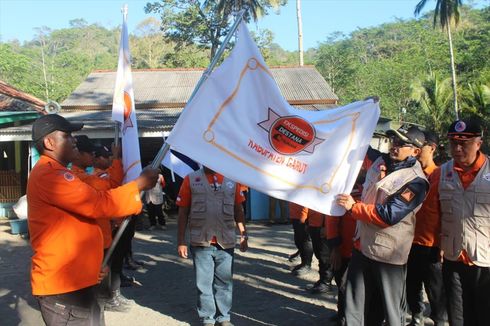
pixel 460 195
pixel 394 190
pixel 210 206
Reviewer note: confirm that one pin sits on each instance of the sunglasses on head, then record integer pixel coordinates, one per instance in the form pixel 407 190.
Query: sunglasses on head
pixel 400 143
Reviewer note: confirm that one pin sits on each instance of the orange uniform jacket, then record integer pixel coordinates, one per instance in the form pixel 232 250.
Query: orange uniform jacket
pixel 103 180
pixel 432 199
pixel 298 212
pixel 316 219
pixel 427 226
pixel 66 240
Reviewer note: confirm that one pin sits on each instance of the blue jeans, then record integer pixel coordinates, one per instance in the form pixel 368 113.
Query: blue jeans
pixel 214 280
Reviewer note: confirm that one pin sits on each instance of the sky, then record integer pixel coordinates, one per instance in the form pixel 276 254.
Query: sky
pixel 19 18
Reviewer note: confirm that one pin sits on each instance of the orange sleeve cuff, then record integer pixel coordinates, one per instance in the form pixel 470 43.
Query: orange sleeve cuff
pixel 367 213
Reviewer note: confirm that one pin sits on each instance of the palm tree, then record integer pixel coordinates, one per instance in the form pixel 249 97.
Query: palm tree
pixel 433 96
pixel 255 8
pixel 300 32
pixel 447 11
pixel 477 102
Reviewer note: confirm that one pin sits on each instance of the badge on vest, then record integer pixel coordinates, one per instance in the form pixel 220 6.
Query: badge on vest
pixel 487 177
pixel 68 176
pixel 407 195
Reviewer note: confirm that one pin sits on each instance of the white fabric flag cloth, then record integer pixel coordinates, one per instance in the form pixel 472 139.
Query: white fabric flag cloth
pixel 179 163
pixel 240 125
pixel 123 108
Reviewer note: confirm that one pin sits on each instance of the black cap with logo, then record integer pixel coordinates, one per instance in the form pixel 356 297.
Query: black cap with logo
pixel 431 138
pixel 412 135
pixel 84 144
pixel 465 129
pixel 46 124
pixel 101 150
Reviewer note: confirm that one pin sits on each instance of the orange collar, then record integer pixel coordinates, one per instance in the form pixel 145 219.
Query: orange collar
pixel 430 168
pixel 480 160
pixel 47 159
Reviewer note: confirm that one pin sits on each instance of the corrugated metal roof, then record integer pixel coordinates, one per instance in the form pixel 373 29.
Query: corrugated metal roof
pixel 11 99
pixel 98 123
pixel 172 87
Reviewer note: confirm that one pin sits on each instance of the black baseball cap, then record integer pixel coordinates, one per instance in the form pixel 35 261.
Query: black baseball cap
pixel 412 135
pixel 431 138
pixel 465 129
pixel 84 144
pixel 51 122
pixel 101 150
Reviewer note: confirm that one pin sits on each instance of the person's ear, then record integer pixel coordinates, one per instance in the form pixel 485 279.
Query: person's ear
pixel 416 151
pixel 49 143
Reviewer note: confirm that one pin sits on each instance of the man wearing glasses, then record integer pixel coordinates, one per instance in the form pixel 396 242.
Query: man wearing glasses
pixel 460 195
pixel 393 192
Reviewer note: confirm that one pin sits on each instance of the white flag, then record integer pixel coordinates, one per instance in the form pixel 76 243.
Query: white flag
pixel 239 124
pixel 179 163
pixel 123 108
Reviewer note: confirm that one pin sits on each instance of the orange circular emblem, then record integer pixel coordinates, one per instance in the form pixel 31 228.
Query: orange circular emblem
pixel 127 106
pixel 290 135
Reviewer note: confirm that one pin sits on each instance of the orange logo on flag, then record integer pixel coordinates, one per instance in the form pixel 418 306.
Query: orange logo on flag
pixel 128 107
pixel 291 134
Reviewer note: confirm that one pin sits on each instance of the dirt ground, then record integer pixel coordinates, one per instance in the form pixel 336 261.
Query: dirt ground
pixel 265 292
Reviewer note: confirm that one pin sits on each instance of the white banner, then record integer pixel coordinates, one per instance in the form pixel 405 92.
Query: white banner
pixel 123 108
pixel 179 163
pixel 240 125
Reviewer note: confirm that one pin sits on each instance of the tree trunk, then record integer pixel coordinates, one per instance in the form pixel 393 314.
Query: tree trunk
pixel 300 32
pixel 453 70
pixel 44 71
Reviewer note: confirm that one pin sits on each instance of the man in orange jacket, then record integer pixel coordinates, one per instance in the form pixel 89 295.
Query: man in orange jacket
pixel 65 238
pixel 424 264
pixel 109 289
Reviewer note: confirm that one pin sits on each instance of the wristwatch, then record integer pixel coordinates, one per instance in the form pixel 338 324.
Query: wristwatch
pixel 244 236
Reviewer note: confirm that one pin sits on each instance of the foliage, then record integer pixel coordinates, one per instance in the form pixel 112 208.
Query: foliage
pixel 386 60
pixel 433 97
pixel 204 23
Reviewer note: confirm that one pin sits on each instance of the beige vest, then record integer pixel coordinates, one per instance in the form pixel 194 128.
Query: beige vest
pixel 465 215
pixel 212 212
pixel 392 244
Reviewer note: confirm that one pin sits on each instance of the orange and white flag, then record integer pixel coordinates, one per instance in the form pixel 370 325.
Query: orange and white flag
pixel 123 109
pixel 240 125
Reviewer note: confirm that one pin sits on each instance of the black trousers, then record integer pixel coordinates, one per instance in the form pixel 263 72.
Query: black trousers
pixel 123 248
pixel 375 292
pixel 340 277
pixel 321 251
pixel 154 211
pixel 424 267
pixel 303 242
pixel 77 308
pixel 468 293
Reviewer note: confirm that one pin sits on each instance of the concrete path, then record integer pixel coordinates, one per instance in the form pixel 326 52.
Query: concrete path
pixel 265 292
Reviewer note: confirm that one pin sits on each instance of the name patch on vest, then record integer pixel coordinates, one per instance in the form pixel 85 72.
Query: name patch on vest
pixel 407 195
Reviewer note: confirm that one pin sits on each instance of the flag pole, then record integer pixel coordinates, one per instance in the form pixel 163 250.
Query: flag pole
pixel 165 147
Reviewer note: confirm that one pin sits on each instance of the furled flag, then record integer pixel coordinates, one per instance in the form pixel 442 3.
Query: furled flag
pixel 179 163
pixel 239 124
pixel 123 108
